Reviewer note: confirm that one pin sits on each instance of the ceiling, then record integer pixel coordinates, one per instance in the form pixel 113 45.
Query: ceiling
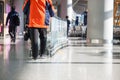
pixel 78 5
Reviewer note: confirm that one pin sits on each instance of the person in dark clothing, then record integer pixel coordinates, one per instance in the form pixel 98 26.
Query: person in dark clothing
pixel 77 21
pixel 12 25
pixel 85 18
pixel 68 25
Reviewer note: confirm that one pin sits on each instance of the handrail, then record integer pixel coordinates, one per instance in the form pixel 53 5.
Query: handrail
pixel 57 36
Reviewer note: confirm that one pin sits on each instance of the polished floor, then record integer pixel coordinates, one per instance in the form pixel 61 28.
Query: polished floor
pixel 78 61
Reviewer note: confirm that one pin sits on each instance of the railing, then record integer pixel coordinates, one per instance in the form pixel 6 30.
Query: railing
pixel 57 34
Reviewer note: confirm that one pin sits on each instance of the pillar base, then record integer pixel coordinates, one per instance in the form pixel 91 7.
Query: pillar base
pixel 99 41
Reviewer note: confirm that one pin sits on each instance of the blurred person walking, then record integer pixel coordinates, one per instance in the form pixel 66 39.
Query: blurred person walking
pixel 68 24
pixel 14 21
pixel 40 12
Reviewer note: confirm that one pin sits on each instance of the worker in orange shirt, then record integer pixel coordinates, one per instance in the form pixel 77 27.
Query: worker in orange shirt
pixel 36 12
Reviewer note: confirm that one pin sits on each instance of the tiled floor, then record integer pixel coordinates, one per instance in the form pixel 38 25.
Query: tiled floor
pixel 75 62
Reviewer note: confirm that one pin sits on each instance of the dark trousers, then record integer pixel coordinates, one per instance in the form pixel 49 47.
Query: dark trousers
pixel 67 30
pixel 34 41
pixel 12 32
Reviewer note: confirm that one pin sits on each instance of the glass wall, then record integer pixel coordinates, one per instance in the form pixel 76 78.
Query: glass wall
pixel 57 34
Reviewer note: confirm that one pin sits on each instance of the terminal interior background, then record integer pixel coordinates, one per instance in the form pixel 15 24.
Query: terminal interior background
pixel 94 55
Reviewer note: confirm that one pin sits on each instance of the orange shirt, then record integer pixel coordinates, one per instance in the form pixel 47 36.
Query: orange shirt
pixel 37 13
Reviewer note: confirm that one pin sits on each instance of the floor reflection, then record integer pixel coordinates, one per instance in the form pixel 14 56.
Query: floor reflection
pixel 1 49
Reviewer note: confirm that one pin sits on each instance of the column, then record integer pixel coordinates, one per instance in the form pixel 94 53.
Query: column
pixel 69 9
pixel 100 21
pixel 19 4
pixel 63 8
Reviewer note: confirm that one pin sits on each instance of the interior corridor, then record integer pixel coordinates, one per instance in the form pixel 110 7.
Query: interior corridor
pixel 77 61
